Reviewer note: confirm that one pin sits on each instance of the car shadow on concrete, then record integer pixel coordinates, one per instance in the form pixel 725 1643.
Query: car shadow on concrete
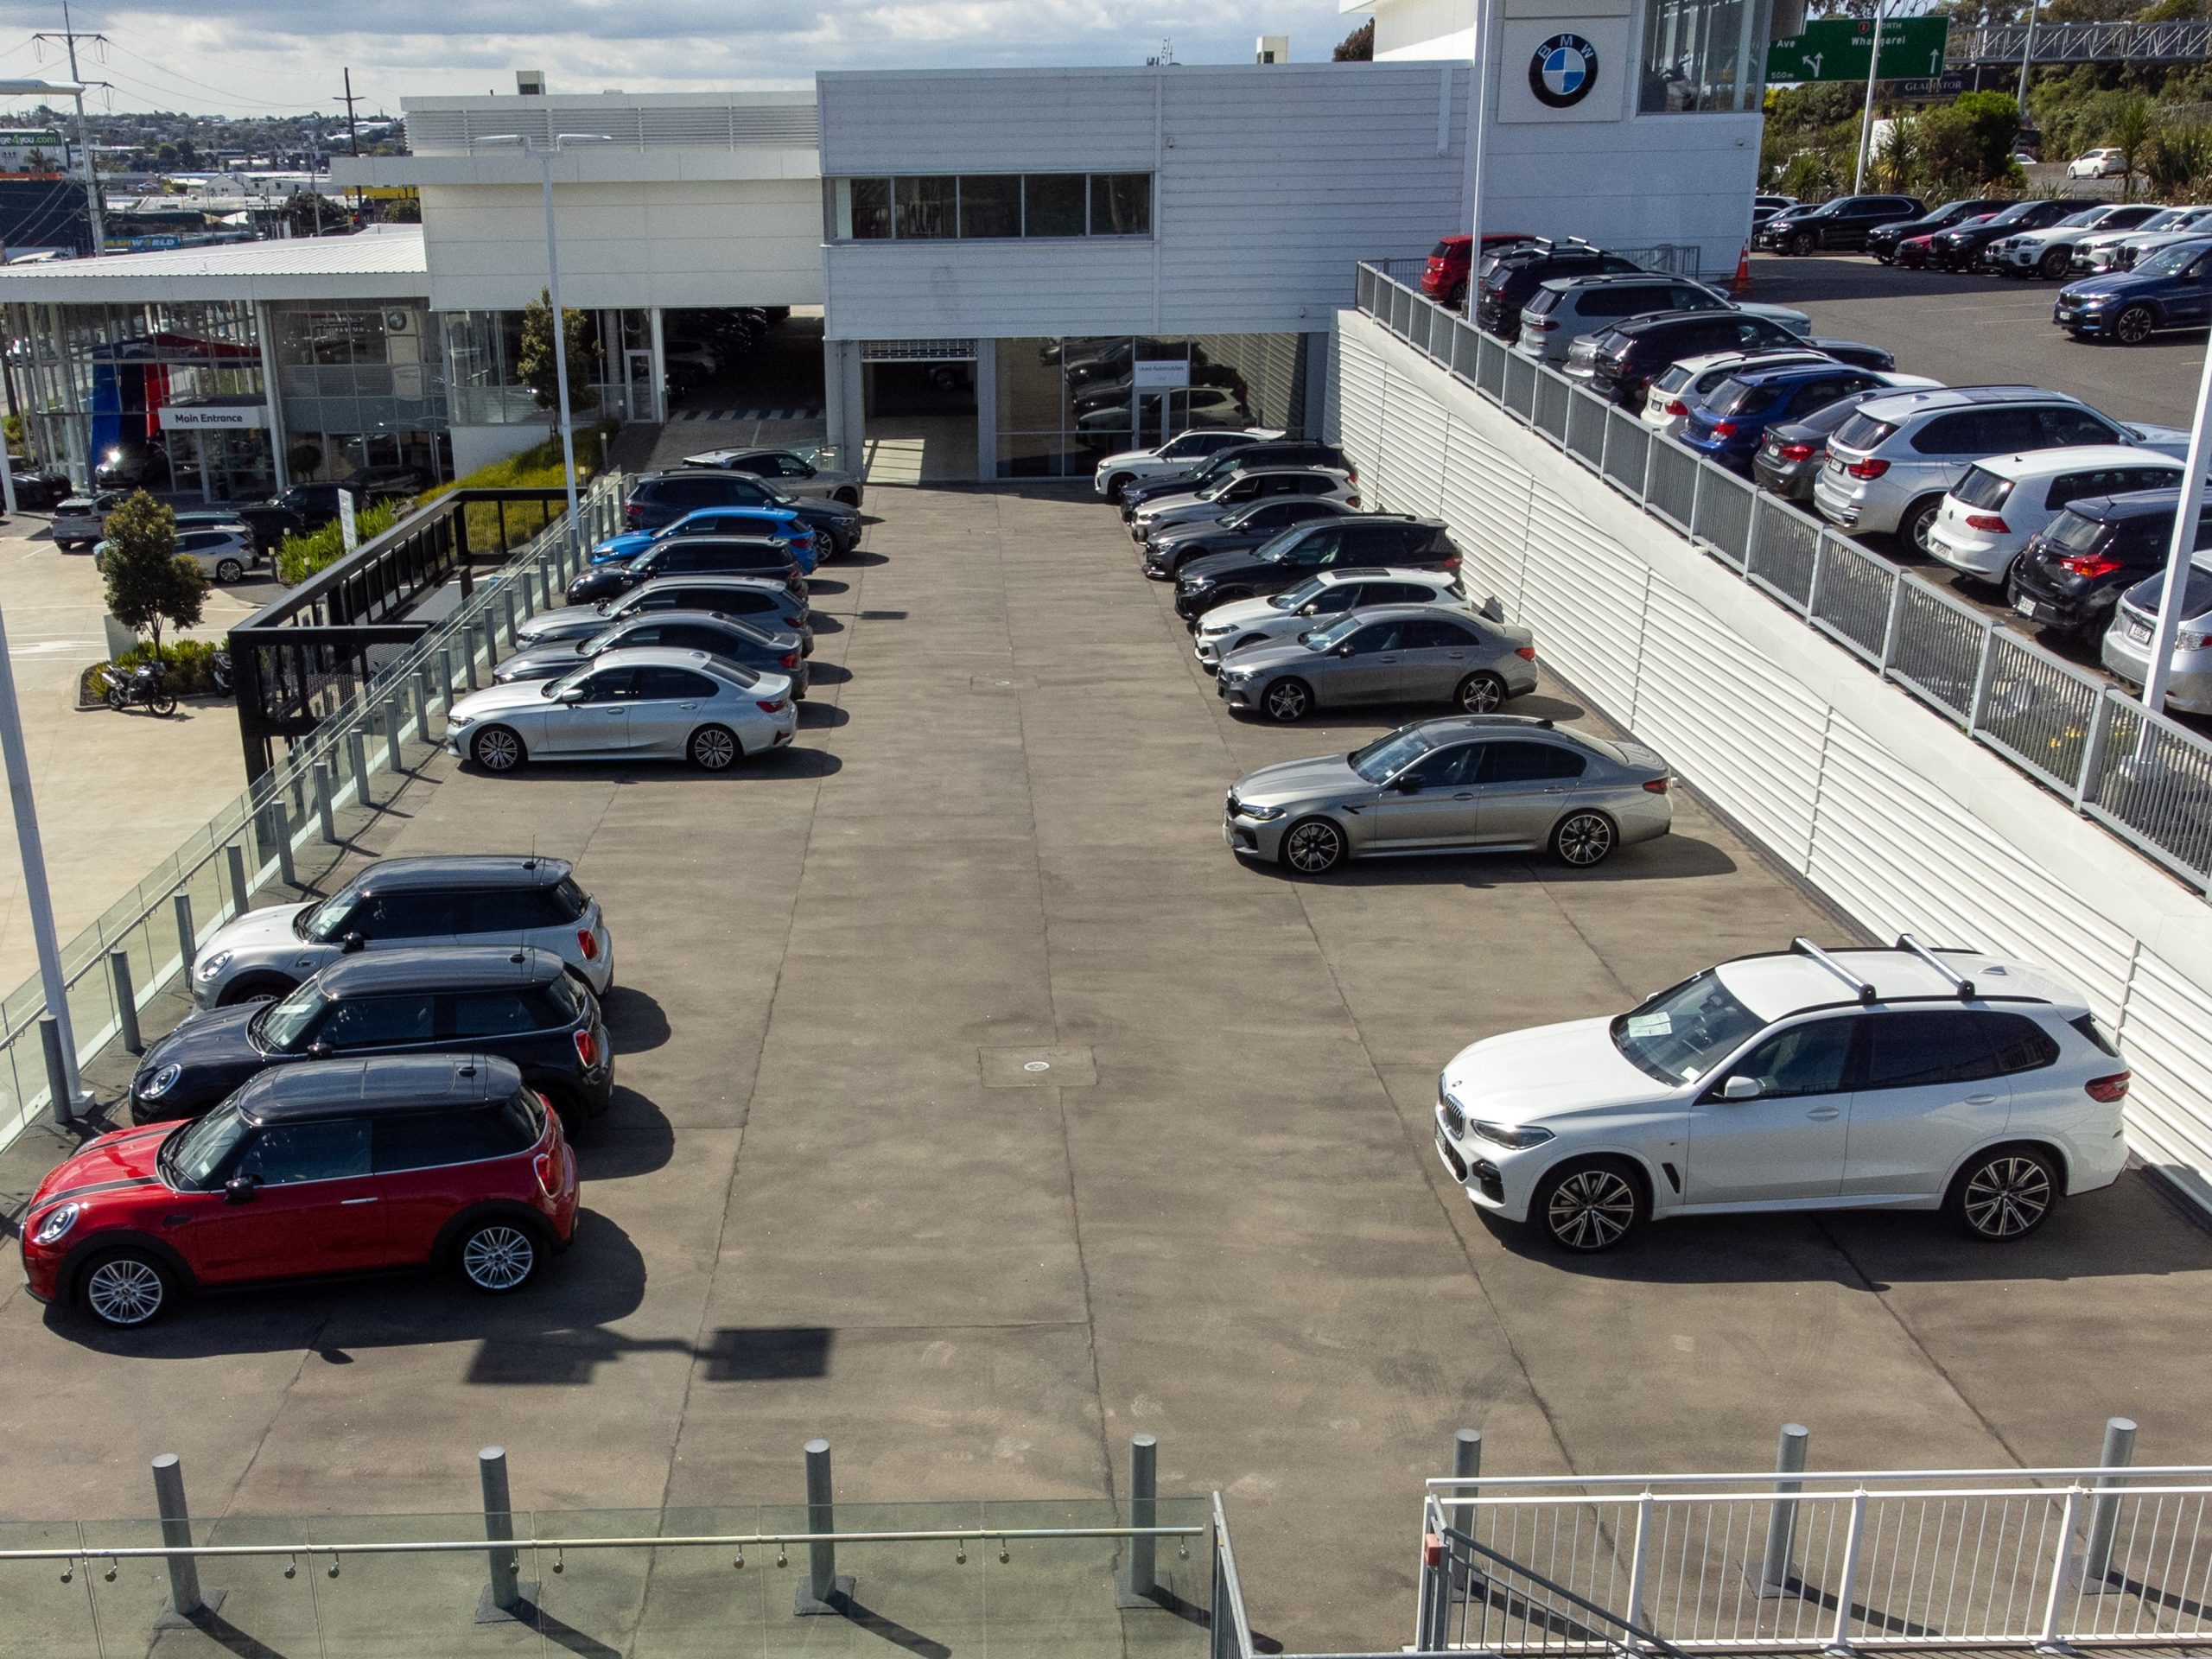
pixel 815 715
pixel 786 762
pixel 818 586
pixel 2135 1228
pixel 633 1020
pixel 632 1137
pixel 1674 857
pixel 599 1279
pixel 861 555
pixel 827 674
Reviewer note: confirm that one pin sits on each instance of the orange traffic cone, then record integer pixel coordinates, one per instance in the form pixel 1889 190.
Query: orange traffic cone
pixel 1742 283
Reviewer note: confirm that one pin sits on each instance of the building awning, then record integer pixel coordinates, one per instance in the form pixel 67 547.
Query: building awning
pixel 386 262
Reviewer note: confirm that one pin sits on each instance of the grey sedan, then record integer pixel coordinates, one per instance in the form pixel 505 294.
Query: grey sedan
pixel 772 651
pixel 1482 783
pixel 792 471
pixel 1393 654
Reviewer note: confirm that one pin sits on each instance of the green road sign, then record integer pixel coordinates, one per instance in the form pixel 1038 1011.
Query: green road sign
pixel 1838 48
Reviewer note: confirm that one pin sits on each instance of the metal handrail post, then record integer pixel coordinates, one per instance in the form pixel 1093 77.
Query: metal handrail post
pixel 2092 751
pixel 186 1598
pixel 126 1001
pixel 1139 1581
pixel 1638 1567
pixel 2104 1512
pixel 1782 1520
pixel 241 893
pixel 1979 700
pixel 503 1591
pixel 1838 1645
pixel 2060 1574
pixel 821 1591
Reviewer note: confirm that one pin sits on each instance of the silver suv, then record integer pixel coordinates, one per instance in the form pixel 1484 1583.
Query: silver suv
pixel 1568 308
pixel 497 899
pixel 1890 464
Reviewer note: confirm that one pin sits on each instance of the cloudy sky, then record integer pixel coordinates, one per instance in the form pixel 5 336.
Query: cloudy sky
pixel 254 57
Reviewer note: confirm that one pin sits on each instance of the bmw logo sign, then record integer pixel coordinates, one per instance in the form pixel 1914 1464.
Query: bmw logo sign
pixel 1562 71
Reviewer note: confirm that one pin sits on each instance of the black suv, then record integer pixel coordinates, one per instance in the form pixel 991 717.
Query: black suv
pixel 1631 355
pixel 317 504
pixel 1272 452
pixel 519 1004
pixel 1509 279
pixel 2072 572
pixel 1882 241
pixel 1385 539
pixel 1960 247
pixel 692 555
pixel 1844 223
pixel 1170 550
pixel 657 499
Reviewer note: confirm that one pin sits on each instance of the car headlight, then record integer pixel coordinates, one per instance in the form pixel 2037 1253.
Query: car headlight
pixel 454 723
pixel 56 1223
pixel 1505 1134
pixel 215 963
pixel 161 1083
pixel 1235 675
pixel 1217 630
pixel 1261 814
pixel 1197 584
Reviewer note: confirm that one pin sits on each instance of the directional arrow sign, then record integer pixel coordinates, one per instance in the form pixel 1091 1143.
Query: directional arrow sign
pixel 1838 48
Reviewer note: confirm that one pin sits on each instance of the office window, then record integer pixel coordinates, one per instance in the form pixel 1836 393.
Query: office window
pixel 868 215
pixel 1120 204
pixel 925 208
pixel 1053 204
pixel 990 205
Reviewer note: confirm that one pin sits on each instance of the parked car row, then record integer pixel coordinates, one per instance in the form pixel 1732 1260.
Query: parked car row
pixel 389 1077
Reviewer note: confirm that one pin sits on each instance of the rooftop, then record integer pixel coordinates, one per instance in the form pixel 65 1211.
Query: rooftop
pixel 384 262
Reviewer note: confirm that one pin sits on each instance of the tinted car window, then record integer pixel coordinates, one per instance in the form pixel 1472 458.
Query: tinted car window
pixel 612 685
pixel 1449 768
pixel 1383 636
pixel 2062 425
pixel 511 911
pixel 284 1154
pixel 2020 1044
pixel 672 683
pixel 374 1022
pixel 1808 1060
pixel 1958 433
pixel 1911 1051
pixel 1522 762
pixel 425 1140
pixel 490 1014
pixel 1628 299
pixel 402 915
pixel 1434 633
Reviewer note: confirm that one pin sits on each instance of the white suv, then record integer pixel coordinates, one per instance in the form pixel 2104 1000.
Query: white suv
pixel 1900 1079
pixel 1318 601
pixel 1890 465
pixel 1181 453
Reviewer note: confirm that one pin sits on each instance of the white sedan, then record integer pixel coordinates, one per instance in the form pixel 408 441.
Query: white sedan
pixel 1899 1079
pixel 648 703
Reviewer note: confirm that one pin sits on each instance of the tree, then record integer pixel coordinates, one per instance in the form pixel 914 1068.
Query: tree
pixel 535 362
pixel 2131 135
pixel 1358 47
pixel 149 582
pixel 401 210
pixel 1969 143
pixel 1897 157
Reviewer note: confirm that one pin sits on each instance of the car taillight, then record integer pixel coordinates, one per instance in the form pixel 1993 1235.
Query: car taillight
pixel 1988 521
pixel 1451 562
pixel 1352 501
pixel 2108 1090
pixel 788 660
pixel 1656 787
pixel 632 513
pixel 1528 651
pixel 2089 564
pixel 1674 405
pixel 588 1047
pixel 587 943
pixel 543 1167
pixel 775 708
pixel 1723 429
pixel 1796 451
pixel 1541 325
pixel 1867 469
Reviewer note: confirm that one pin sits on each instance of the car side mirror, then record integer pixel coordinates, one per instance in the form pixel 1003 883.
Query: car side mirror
pixel 1405 782
pixel 351 942
pixel 1742 1089
pixel 1344 650
pixel 573 694
pixel 240 1189
pixel 320 1050
pixel 1309 610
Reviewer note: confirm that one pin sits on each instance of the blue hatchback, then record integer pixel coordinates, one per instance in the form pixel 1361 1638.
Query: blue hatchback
pixel 2170 288
pixel 778 524
pixel 1730 422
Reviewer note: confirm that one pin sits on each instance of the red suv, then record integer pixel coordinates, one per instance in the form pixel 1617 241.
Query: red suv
pixel 1444 279
pixel 331 1167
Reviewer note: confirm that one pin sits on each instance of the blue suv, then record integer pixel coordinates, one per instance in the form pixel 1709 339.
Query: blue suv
pixel 2170 288
pixel 1730 424
pixel 777 524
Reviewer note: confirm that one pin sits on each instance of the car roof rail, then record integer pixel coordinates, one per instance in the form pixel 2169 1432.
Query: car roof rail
pixel 1811 952
pixel 1959 983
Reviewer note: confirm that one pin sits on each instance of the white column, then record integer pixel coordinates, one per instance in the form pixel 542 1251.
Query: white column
pixel 660 367
pixel 986 410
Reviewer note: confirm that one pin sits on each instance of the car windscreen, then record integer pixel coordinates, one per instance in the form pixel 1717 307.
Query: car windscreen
pixel 1442 250
pixel 321 923
pixel 2172 219
pixel 2171 261
pixel 1234 519
pixel 737 673
pixel 2195 593
pixel 190 1158
pixel 2090 216
pixel 281 1025
pixel 1741 397
pixel 1336 633
pixel 1863 431
pixel 1982 488
pixel 1390 753
pixel 2073 532
pixel 1680 1035
pixel 2017 211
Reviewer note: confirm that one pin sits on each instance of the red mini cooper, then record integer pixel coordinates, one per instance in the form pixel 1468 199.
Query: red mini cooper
pixel 328 1167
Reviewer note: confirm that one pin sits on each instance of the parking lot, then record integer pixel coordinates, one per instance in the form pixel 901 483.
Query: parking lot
pixel 833 1198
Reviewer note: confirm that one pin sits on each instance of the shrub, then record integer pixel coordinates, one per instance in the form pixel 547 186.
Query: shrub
pixel 536 469
pixel 190 664
pixel 300 556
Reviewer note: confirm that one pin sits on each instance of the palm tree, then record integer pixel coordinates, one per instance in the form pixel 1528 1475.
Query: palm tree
pixel 2131 135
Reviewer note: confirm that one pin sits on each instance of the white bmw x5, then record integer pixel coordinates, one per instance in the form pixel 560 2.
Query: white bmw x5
pixel 1899 1079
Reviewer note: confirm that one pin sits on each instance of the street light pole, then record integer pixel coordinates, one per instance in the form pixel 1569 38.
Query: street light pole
pixel 1481 69
pixel 2181 548
pixel 36 899
pixel 1866 118
pixel 2027 51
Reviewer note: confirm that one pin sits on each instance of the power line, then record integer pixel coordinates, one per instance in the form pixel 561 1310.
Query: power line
pixel 151 67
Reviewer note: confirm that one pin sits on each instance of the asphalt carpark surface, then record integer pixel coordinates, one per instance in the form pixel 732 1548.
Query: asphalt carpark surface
pixel 830 1200
pixel 1970 330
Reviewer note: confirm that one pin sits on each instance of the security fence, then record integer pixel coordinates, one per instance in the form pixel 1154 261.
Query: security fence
pixel 326 793
pixel 2143 776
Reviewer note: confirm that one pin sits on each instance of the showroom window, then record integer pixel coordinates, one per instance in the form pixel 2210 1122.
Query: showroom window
pixel 990 207
pixel 1701 56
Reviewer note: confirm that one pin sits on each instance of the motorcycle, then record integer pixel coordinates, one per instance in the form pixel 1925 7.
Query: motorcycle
pixel 147 684
pixel 219 672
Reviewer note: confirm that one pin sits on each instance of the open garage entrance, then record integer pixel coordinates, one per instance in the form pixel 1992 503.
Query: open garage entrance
pixel 919 397
pixel 743 363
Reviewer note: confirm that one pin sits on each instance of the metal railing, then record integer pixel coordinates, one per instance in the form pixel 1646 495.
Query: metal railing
pixel 323 794
pixel 2143 776
pixel 1791 1562
pixel 2179 41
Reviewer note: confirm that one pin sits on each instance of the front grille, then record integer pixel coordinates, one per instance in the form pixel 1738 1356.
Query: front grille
pixel 1454 1119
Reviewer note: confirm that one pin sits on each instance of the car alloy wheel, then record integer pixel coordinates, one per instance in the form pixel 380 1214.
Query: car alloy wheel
pixel 1479 693
pixel 1313 847
pixel 1286 700
pixel 126 1290
pixel 2133 325
pixel 497 749
pixel 1590 1209
pixel 2055 262
pixel 1920 521
pixel 2006 1195
pixel 713 749
pixel 1801 243
pixel 498 1256
pixel 1583 839
pixel 228 570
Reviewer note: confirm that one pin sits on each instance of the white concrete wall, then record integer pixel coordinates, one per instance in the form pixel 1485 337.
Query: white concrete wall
pixel 1424 29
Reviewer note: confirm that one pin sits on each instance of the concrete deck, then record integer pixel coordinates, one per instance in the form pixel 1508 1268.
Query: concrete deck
pixel 817 1208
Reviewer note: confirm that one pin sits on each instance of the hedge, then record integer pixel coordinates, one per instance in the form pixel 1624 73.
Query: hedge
pixel 190 664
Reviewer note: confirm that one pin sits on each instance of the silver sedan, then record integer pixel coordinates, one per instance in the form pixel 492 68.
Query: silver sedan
pixel 1392 653
pixel 1482 783
pixel 647 703
pixel 795 471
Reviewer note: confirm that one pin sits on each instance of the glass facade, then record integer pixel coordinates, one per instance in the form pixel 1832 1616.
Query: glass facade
pixel 989 207
pixel 483 355
pixel 1701 56
pixel 1062 403
pixel 360 384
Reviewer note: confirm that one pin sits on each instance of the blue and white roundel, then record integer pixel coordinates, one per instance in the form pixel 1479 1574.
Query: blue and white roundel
pixel 1562 71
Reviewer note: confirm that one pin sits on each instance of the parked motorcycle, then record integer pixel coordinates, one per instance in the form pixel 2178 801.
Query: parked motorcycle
pixel 219 672
pixel 148 684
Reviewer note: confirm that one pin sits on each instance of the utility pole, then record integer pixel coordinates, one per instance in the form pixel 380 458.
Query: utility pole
pixel 352 135
pixel 2027 51
pixel 1866 117
pixel 69 37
